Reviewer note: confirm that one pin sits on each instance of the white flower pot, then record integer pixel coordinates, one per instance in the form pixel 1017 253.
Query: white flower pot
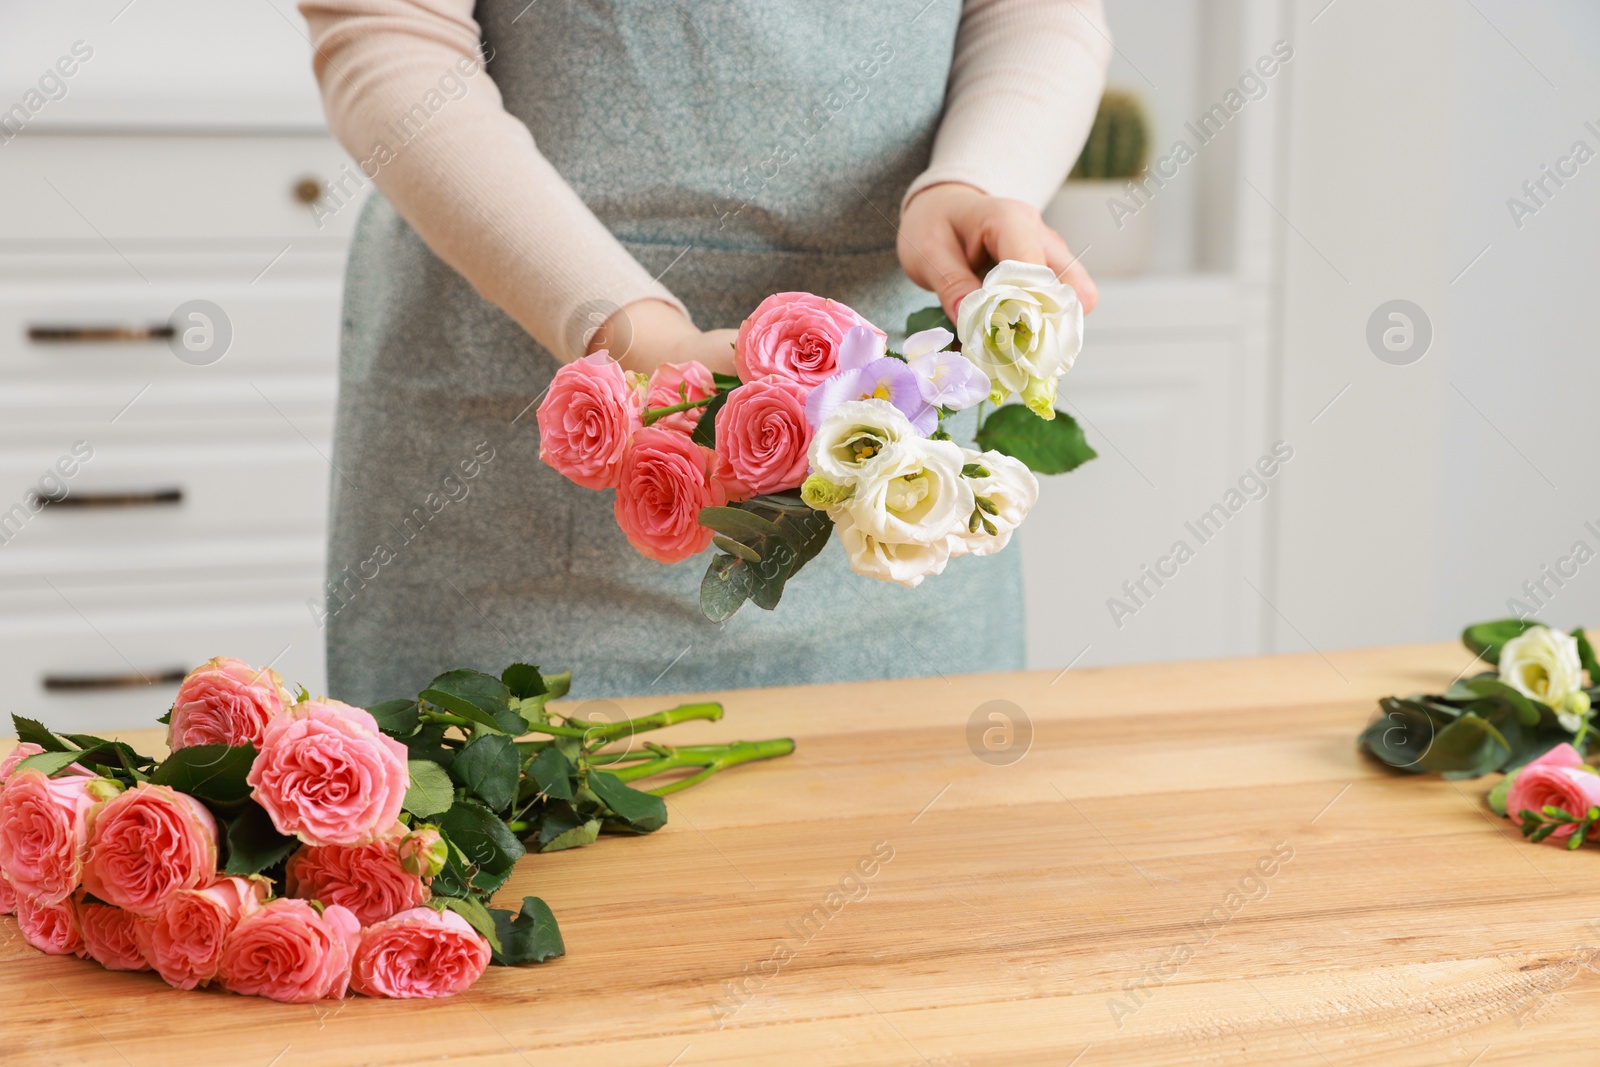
pixel 1112 244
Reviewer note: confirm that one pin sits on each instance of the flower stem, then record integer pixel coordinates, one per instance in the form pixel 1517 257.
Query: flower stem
pixel 651 415
pixel 605 733
pixel 709 758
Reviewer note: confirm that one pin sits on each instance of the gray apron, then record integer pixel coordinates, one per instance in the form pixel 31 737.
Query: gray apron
pixel 742 148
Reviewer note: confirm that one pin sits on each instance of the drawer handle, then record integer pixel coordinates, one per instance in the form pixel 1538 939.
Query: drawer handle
pixel 80 683
pixel 115 499
pixel 77 335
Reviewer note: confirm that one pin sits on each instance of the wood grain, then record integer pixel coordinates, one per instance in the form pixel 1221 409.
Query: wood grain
pixel 1118 862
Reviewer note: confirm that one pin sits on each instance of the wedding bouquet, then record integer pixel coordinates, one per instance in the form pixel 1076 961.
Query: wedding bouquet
pixel 294 848
pixel 825 429
pixel 1529 717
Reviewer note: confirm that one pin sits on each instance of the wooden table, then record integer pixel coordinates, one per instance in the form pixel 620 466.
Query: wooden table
pixel 1190 864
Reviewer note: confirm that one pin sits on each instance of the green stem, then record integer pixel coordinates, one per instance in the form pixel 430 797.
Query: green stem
pixel 651 415
pixel 1577 739
pixel 605 733
pixel 445 718
pixel 709 758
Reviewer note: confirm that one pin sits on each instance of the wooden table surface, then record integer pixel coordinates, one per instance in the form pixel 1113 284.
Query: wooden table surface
pixel 1100 900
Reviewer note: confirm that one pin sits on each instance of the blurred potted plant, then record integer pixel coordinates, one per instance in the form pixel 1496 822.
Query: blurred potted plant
pixel 1094 209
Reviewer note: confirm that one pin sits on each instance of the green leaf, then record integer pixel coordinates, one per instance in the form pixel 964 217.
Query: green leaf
pixel 531 937
pixel 431 790
pixel 428 743
pixel 397 718
pixel 1485 639
pixel 1586 655
pixel 523 681
pixel 30 731
pixel 724 382
pixel 1401 734
pixel 1529 712
pixel 741 525
pixel 705 430
pixel 210 772
pixel 47 763
pixel 1469 745
pixel 727 584
pixel 736 548
pixel 490 766
pixel 481 834
pixel 556 819
pixel 478 697
pixel 585 833
pixel 1047 446
pixel 254 844
pixel 1499 794
pixel 472 910
pixel 643 812
pixel 928 319
pixel 551 774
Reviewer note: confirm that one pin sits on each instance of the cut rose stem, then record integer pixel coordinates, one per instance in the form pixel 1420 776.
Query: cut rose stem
pixel 659 720
pixel 709 758
pixel 652 415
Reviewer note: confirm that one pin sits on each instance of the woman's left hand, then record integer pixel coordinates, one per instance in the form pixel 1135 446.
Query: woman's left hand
pixel 949 232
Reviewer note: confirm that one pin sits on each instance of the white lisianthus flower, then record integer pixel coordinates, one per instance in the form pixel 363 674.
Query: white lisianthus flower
pixel 1009 488
pixel 1023 329
pixel 906 564
pixel 857 437
pixel 1544 664
pixel 898 524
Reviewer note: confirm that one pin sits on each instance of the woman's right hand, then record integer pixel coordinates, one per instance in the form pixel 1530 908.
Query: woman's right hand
pixel 647 333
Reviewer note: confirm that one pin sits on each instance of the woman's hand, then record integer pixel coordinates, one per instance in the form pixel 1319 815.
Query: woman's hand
pixel 647 333
pixel 951 232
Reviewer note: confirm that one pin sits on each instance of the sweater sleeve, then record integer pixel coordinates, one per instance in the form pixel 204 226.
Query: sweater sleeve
pixel 406 93
pixel 1025 84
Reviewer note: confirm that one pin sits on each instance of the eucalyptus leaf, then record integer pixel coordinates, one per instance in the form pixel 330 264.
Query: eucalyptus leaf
pixel 431 790
pixel 1470 745
pixel 1046 446
pixel 727 584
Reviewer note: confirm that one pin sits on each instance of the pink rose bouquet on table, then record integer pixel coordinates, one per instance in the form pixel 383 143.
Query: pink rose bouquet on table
pixel 298 850
pixel 827 429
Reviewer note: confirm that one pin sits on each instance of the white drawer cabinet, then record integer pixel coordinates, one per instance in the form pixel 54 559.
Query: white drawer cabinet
pixel 196 525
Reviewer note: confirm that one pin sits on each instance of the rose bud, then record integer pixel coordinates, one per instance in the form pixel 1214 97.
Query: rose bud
pixel 226 702
pixel 44 829
pixel 423 852
pixel 367 879
pixel 111 937
pixel 287 952
pixel 327 775
pixel 50 928
pixel 419 953
pixel 147 843
pixel 184 942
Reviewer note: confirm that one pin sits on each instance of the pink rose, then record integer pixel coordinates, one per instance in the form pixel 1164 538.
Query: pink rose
pixel 184 942
pixel 1554 778
pixel 667 387
pixel 286 951
pixel 329 776
pixel 8 896
pixel 796 336
pixel 146 844
pixel 111 937
pixel 225 702
pixel 763 433
pixel 367 879
pixel 50 928
pixel 419 953
pixel 23 750
pixel 586 419
pixel 44 828
pixel 19 753
pixel 666 480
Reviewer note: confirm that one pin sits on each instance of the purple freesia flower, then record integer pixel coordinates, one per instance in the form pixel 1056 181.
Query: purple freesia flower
pixel 946 379
pixel 867 374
